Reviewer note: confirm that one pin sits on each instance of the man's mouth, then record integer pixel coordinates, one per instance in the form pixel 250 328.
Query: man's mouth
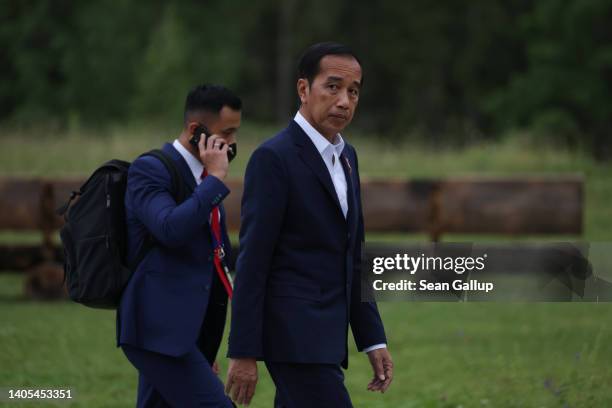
pixel 338 116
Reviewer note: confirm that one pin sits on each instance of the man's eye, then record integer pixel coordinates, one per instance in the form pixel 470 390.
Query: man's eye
pixel 354 92
pixel 333 87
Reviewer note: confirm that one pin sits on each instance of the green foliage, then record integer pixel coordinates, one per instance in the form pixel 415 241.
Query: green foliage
pixel 565 89
pixel 452 72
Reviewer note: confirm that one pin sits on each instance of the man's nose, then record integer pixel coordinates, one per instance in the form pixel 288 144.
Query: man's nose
pixel 343 100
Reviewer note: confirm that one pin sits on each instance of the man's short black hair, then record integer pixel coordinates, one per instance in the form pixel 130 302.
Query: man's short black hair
pixel 210 98
pixel 309 65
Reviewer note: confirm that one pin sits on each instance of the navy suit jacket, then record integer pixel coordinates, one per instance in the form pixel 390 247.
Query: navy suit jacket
pixel 167 298
pixel 297 285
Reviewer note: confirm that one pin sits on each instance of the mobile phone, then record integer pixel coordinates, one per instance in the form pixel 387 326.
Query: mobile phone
pixel 197 134
pixel 232 150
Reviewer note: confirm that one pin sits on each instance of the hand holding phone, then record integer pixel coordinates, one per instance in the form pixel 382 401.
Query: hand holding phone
pixel 232 149
pixel 213 156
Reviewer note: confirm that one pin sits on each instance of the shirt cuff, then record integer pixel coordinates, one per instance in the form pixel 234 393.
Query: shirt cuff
pixel 374 347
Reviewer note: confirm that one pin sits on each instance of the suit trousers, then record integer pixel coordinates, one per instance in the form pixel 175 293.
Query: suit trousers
pixel 185 381
pixel 308 385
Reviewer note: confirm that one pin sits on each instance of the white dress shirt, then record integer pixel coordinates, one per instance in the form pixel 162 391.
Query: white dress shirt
pixel 330 153
pixel 194 164
pixel 331 157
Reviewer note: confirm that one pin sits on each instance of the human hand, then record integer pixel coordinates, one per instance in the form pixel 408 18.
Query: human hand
pixel 382 365
pixel 241 380
pixel 213 153
pixel 215 368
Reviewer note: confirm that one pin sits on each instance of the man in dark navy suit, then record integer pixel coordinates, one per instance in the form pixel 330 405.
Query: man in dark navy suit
pixel 172 313
pixel 298 272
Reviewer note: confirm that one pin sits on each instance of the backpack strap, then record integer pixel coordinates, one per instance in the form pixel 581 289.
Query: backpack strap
pixel 178 190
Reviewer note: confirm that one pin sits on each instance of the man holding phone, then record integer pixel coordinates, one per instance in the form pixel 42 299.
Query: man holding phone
pixel 172 313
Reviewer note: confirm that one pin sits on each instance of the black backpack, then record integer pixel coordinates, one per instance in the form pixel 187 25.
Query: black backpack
pixel 94 234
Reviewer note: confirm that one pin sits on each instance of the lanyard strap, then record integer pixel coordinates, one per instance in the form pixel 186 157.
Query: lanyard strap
pixel 218 251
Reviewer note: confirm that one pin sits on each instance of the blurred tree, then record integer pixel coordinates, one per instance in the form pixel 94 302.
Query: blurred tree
pixel 447 72
pixel 33 37
pixel 284 60
pixel 432 64
pixel 192 43
pixel 565 91
pixel 102 55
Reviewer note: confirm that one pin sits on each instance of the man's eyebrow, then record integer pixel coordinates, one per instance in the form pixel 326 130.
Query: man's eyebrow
pixel 339 79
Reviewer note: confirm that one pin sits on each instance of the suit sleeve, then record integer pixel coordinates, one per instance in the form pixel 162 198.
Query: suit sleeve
pixel 171 224
pixel 365 320
pixel 263 207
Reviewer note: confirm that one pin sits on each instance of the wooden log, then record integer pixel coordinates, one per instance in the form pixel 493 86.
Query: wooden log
pixel 20 203
pixel 398 205
pixel 232 204
pixel 23 257
pixel 520 205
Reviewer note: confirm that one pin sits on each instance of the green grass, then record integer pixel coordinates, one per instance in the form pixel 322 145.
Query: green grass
pixel 446 354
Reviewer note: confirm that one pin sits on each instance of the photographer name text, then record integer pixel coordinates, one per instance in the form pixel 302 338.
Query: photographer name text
pixel 423 285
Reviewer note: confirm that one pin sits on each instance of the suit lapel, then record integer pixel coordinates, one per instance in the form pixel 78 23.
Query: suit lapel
pixel 312 158
pixel 350 190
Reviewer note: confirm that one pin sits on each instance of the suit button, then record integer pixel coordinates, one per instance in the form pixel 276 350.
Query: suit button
pixel 348 235
pixel 207 288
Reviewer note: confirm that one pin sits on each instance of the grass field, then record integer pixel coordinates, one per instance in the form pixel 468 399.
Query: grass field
pixel 446 355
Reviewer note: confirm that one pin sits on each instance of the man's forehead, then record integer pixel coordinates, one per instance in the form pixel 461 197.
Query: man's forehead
pixel 230 117
pixel 339 66
pixel 226 117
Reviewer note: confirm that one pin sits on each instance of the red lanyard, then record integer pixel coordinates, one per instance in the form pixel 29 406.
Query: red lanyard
pixel 219 252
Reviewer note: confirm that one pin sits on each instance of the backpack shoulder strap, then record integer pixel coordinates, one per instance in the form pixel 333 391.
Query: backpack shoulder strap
pixel 179 190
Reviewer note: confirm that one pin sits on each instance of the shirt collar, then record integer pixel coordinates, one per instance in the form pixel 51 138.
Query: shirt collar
pixel 194 164
pixel 320 142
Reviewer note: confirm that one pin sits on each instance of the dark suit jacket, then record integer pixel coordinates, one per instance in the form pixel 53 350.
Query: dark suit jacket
pixel 298 271
pixel 167 298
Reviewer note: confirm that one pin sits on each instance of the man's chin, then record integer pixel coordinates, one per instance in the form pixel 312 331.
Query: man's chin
pixel 338 120
pixel 336 127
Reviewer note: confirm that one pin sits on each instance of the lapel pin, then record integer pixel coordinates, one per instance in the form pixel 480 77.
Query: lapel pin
pixel 348 165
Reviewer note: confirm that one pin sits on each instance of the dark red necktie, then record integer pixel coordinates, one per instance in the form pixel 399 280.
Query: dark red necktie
pixel 219 253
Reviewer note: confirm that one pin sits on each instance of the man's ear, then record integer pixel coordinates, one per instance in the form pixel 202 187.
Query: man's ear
pixel 303 89
pixel 191 127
